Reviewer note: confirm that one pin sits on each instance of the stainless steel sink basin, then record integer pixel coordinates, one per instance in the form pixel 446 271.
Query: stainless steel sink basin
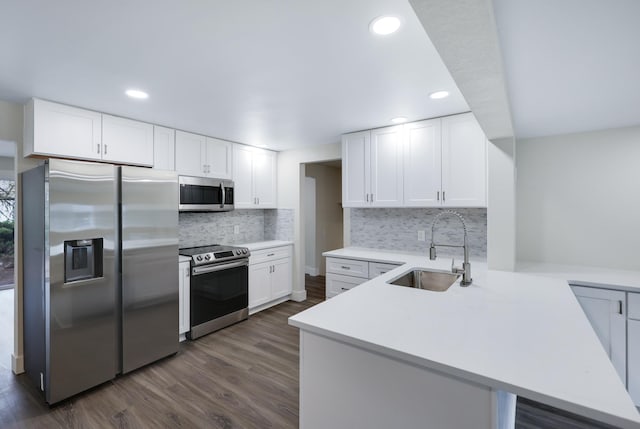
pixel 433 280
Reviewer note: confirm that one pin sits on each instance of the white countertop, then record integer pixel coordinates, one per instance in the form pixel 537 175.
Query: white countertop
pixel 260 245
pixel 517 332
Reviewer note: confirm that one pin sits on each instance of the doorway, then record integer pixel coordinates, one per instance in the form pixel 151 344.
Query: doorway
pixel 7 278
pixel 324 226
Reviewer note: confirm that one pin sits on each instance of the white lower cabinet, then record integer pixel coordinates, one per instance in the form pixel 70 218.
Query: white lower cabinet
pixel 605 310
pixel 184 290
pixel 337 283
pixel 270 277
pixel 344 274
pixel 615 317
pixel 633 347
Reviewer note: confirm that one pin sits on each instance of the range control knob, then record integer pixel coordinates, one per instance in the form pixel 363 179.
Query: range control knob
pixel 207 257
pixel 199 258
pixel 237 252
pixel 245 251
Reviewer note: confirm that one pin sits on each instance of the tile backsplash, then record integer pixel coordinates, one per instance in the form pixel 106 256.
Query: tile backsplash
pixel 397 229
pixel 201 229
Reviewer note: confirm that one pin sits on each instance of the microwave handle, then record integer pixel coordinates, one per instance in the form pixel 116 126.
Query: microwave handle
pixel 223 194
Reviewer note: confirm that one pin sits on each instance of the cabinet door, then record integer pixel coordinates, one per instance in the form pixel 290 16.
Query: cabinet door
pixel 190 154
pixel 386 167
pixel 605 310
pixel 184 291
pixel 336 284
pixel 356 169
pixel 126 141
pixel 259 284
pixel 264 178
pixel 633 332
pixel 218 158
pixel 422 164
pixel 281 278
pixel 464 162
pixel 164 148
pixel 59 130
pixel 379 268
pixel 243 176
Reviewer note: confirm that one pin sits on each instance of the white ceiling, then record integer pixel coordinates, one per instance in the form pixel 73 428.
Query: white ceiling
pixel 570 65
pixel 285 73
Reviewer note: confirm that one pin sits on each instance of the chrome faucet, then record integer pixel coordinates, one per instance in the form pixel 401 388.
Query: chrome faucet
pixel 466 266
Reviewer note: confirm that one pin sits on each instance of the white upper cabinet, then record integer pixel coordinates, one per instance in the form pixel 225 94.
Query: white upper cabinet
pixel 355 169
pixel 218 156
pixel 264 178
pixel 254 177
pixel 433 163
pixel 56 130
pixel 164 148
pixel 422 164
pixel 52 129
pixel 464 162
pixel 386 167
pixel 202 156
pixel 189 154
pixel 127 141
pixel 372 168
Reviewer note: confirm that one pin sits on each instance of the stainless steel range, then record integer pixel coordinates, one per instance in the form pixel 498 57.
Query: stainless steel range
pixel 219 287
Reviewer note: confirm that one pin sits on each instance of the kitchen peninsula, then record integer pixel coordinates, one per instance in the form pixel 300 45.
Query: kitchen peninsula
pixel 382 355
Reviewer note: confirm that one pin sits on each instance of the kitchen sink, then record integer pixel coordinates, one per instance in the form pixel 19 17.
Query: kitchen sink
pixel 434 280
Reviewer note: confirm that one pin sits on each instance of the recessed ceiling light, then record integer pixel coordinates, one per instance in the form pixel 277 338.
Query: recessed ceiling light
pixel 439 94
pixel 384 25
pixel 399 120
pixel 136 93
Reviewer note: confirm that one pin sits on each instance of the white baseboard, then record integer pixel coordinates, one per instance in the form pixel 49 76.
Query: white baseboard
pixel 299 295
pixel 312 271
pixel 17 364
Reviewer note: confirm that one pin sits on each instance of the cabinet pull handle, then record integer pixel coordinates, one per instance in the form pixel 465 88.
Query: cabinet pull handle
pixel 105 149
pixel 619 307
pixel 371 197
pixel 98 147
pixel 367 195
pixel 443 200
pixel 438 195
pixel 345 267
pixel 271 254
pixel 344 288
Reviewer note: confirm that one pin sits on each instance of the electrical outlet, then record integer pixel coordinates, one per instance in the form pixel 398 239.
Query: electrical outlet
pixel 421 235
pixel 236 229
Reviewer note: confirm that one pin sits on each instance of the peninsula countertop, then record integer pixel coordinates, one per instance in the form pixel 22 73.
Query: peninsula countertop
pixel 521 333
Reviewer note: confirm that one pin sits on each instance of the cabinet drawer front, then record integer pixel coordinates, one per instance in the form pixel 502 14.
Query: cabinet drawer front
pixel 378 268
pixel 349 267
pixel 336 284
pixel 634 305
pixel 274 253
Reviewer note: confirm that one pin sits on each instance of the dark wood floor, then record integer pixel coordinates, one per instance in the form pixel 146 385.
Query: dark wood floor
pixel 245 376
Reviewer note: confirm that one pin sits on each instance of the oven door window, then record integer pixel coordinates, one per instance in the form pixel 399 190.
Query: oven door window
pixel 218 293
pixel 200 195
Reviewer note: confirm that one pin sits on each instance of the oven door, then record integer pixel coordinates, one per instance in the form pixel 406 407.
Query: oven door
pixel 219 296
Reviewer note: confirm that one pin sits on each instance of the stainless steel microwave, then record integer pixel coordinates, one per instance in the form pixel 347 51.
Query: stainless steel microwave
pixel 204 194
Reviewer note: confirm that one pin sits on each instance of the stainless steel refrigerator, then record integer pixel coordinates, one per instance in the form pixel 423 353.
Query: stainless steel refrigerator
pixel 100 274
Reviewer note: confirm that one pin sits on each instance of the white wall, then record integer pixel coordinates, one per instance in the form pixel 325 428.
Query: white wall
pixel 578 198
pixel 11 119
pixel 291 174
pixel 501 212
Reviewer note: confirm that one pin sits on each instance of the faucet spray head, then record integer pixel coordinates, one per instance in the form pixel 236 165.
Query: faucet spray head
pixel 432 252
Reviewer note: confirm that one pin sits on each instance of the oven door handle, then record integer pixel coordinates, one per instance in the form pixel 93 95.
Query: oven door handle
pixel 210 269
